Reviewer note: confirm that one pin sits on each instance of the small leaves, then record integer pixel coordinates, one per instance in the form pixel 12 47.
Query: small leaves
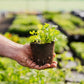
pixel 32 32
pixel 40 26
pixel 46 25
pixel 57 32
pixel 45 34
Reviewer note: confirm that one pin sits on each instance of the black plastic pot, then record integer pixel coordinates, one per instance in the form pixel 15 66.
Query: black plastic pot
pixel 42 53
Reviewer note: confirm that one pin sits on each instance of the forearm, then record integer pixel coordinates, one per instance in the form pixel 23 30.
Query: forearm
pixel 8 48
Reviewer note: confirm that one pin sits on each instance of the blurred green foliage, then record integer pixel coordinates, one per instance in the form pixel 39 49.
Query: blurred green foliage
pixel 78 47
pixel 13 73
pixel 23 24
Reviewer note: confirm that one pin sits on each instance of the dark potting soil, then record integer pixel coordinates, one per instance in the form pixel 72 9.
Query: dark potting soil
pixel 42 53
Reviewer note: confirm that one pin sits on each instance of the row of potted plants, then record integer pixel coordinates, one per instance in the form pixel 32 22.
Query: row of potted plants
pixel 22 30
pixel 49 15
pixel 77 31
pixel 23 24
pixel 26 20
pixel 67 22
pixel 75 20
pixel 67 61
pixel 78 49
pixel 70 23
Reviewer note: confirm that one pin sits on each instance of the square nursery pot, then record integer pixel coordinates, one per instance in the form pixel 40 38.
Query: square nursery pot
pixel 42 53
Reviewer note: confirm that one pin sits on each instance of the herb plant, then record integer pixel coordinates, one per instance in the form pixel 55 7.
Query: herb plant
pixel 45 34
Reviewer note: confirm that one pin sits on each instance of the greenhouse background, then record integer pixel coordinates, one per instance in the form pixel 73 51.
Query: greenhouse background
pixel 41 5
pixel 18 18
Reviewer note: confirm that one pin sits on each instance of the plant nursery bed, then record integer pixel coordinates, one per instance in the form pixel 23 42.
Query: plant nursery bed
pixel 21 30
pixel 23 24
pixel 59 27
pixel 66 60
pixel 71 38
pixel 77 49
pixel 69 25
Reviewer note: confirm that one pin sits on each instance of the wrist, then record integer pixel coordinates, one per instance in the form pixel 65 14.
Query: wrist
pixel 11 50
pixel 14 51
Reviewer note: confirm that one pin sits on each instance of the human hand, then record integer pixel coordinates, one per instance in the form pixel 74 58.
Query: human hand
pixel 24 57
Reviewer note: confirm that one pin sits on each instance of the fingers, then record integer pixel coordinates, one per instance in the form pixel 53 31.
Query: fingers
pixel 46 66
pixel 36 67
pixel 54 64
pixel 41 67
pixel 33 65
pixel 29 62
